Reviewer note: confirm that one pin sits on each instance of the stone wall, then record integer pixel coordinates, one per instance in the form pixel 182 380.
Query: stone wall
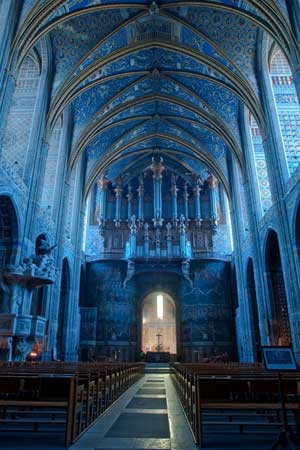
pixel 203 309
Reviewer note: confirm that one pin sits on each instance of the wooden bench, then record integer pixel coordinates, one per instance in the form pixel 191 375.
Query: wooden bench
pixel 70 396
pixel 39 401
pixel 237 400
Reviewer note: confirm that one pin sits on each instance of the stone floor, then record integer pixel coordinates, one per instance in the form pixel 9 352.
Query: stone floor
pixel 148 416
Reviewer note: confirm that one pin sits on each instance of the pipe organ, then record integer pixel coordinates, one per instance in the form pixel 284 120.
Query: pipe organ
pixel 157 213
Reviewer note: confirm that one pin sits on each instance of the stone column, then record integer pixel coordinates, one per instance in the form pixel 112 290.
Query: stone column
pixel 129 202
pixel 174 191
pixel 244 332
pixel 182 236
pixel 169 240
pixel 102 186
pixel 186 201
pixel 256 213
pixel 118 192
pixel 157 168
pixel 157 242
pixel 197 190
pixel 212 184
pixel 133 231
pixel 141 199
pixel 146 240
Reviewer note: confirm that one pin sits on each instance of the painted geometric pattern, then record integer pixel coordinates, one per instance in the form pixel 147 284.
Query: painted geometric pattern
pixel 71 206
pixel 261 166
pixel 15 139
pixel 235 35
pixel 19 121
pixel 287 107
pixel 290 129
pixel 51 167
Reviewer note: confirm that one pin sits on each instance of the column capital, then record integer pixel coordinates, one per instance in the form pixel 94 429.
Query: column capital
pixel 102 182
pixel 185 192
pixel 212 181
pixel 118 191
pixel 157 167
pixel 197 189
pixel 129 194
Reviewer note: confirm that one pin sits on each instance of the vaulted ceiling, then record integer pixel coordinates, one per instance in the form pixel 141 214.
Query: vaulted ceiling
pixel 140 75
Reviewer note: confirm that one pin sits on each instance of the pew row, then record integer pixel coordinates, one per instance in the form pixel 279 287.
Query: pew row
pixel 219 399
pixel 63 397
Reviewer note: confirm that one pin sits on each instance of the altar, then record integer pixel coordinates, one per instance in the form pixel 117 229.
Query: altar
pixel 157 357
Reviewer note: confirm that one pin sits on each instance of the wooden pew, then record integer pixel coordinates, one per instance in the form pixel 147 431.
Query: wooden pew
pixel 39 400
pixel 69 395
pixel 218 397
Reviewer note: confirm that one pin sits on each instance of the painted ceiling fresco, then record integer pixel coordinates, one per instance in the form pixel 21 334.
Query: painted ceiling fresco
pixel 139 75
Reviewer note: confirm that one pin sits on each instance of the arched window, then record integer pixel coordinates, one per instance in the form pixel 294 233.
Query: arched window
pixel 287 107
pixel 8 232
pixel 281 331
pixel 260 165
pixel 63 309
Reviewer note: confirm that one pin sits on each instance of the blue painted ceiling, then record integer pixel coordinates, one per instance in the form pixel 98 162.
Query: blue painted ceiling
pixel 140 74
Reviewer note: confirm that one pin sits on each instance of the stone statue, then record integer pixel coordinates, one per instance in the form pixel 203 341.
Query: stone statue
pixel 146 231
pixel 130 272
pixel 185 268
pixel 169 231
pixel 23 348
pixel 153 9
pixel 42 264
pixel 182 224
pixel 45 248
pixel 157 237
pixel 133 225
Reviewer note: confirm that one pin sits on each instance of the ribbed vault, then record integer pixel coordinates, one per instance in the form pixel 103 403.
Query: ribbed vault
pixel 140 75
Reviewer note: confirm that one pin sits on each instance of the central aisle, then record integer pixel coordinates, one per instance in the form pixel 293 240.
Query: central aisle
pixel 148 416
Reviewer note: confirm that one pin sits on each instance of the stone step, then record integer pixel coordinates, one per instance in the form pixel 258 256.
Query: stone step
pixel 157 368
